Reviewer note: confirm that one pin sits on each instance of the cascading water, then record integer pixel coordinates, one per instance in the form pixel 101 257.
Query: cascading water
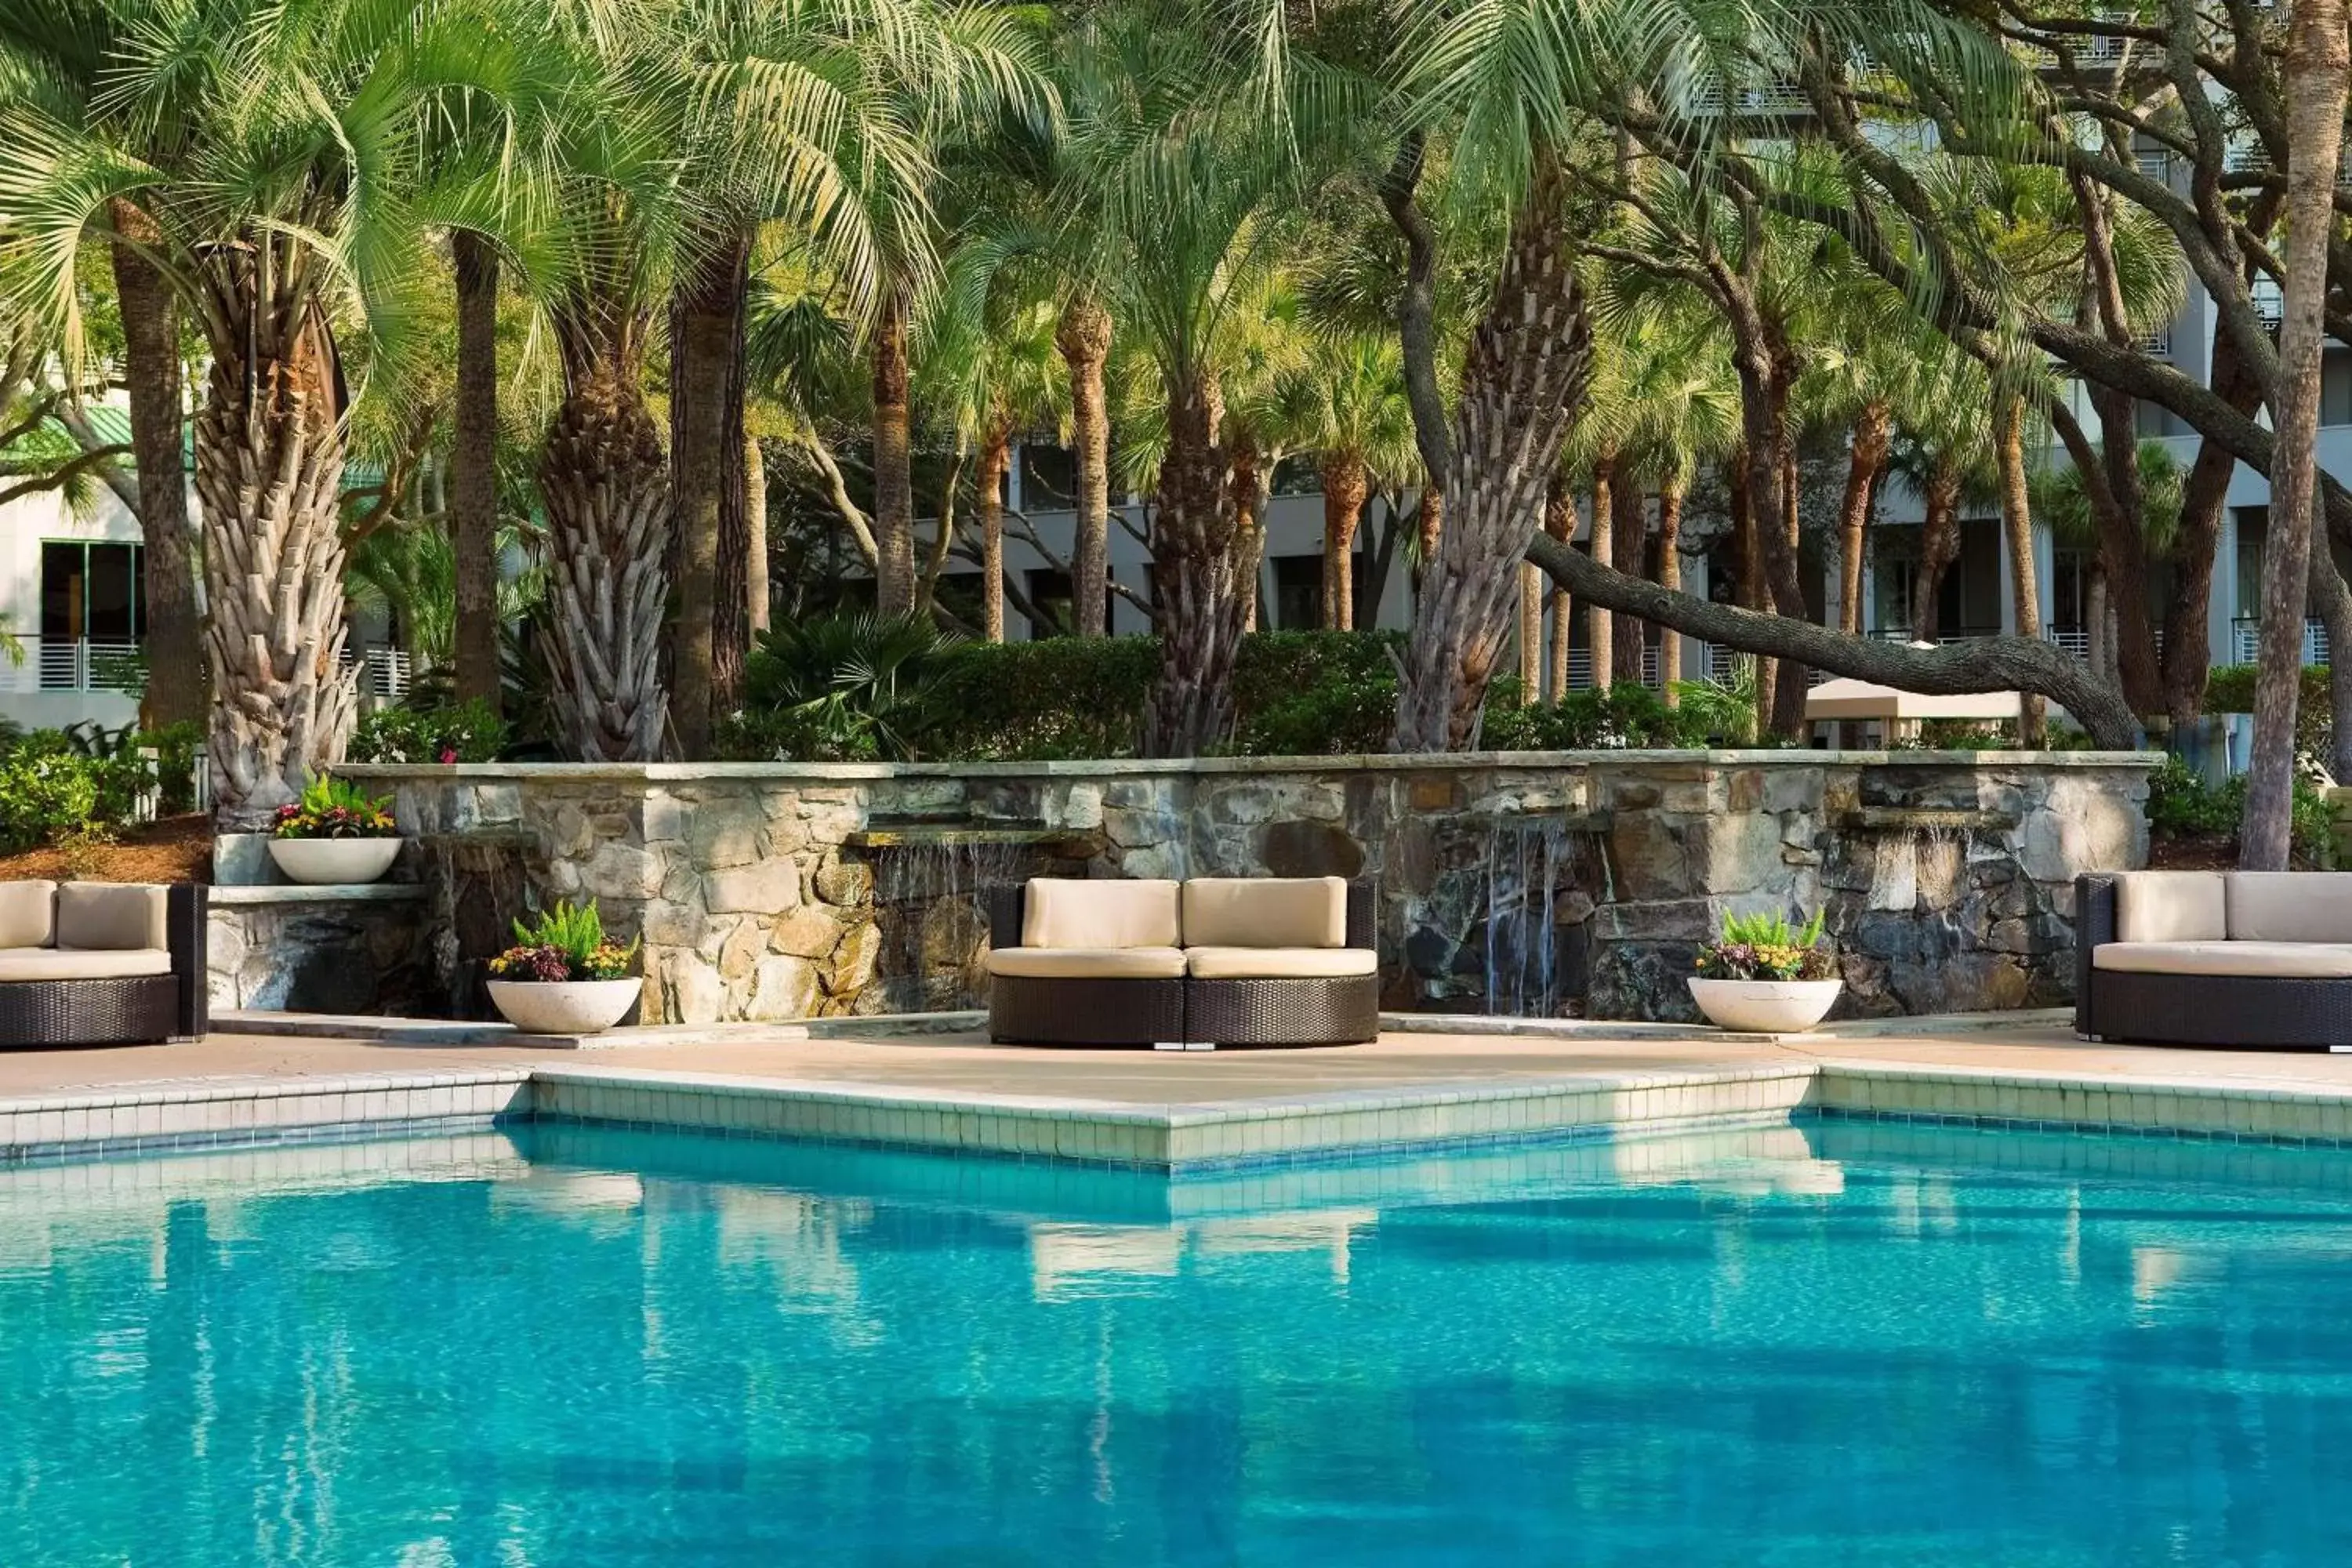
pixel 1527 862
pixel 932 896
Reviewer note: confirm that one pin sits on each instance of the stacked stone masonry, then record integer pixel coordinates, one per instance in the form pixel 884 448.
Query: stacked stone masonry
pixel 1533 883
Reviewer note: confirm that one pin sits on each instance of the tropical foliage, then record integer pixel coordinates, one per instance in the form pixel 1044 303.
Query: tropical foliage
pixel 660 340
pixel 566 942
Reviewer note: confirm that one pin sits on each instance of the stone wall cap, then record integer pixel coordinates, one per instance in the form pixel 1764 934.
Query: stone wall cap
pixel 317 893
pixel 1135 767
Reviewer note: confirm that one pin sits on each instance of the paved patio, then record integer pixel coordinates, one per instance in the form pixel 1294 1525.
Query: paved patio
pixel 962 1063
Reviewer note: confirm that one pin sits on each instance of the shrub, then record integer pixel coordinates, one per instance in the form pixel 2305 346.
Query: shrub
pixel 1619 719
pixel 466 731
pixel 45 793
pixel 841 689
pixel 1301 694
pixel 2181 804
pixel 1046 700
pixel 2229 688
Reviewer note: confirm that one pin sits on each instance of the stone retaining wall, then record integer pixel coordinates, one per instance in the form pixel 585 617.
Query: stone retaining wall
pixel 1535 883
pixel 348 950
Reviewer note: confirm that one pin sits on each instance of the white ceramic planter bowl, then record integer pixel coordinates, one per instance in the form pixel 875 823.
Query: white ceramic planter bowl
pixel 563 1006
pixel 343 860
pixel 1766 1006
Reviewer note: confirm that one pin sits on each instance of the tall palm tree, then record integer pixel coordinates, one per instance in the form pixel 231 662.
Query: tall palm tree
pixel 1197 161
pixel 281 206
pixel 1360 429
pixel 52 56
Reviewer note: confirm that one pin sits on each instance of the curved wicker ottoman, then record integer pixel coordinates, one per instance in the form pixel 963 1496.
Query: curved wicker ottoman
pixel 1029 1011
pixel 1323 1011
pixel 137 1010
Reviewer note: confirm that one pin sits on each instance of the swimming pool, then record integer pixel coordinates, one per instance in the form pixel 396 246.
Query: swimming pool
pixel 1839 1344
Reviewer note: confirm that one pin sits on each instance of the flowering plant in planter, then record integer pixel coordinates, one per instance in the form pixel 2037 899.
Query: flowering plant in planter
pixel 330 808
pixel 565 943
pixel 1766 947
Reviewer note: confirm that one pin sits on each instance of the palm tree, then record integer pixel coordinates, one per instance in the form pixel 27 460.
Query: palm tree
pixel 1197 162
pixel 59 48
pixel 279 204
pixel 1360 429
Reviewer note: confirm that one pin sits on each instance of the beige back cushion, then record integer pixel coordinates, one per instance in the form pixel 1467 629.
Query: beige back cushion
pixel 112 917
pixel 2289 905
pixel 2171 906
pixel 1067 912
pixel 1265 911
pixel 28 914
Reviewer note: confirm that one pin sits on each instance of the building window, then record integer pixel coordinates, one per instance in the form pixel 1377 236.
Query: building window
pixel 1297 592
pixel 1050 597
pixel 2335 389
pixel 1049 479
pixel 91 591
pixel 1297 477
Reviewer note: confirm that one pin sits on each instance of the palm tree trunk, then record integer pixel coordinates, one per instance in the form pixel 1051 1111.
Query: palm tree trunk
pixel 704 325
pixel 1531 636
pixel 1749 551
pixel 1670 576
pixel 151 363
pixel 894 470
pixel 1431 521
pixel 1082 338
pixel 2314 73
pixel 473 461
pixel 1867 455
pixel 1194 535
pixel 1522 382
pixel 2096 621
pixel 1559 522
pixel 1629 543
pixel 1939 543
pixel 607 490
pixel 2017 523
pixel 1600 626
pixel 995 459
pixel 2186 653
pixel 1345 487
pixel 269 468
pixel 1248 486
pixel 756 584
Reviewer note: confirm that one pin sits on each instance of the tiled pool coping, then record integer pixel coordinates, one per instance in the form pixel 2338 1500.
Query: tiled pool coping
pixel 142 1119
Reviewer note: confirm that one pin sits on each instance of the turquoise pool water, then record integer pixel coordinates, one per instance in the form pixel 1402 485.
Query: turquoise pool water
pixel 1844 1343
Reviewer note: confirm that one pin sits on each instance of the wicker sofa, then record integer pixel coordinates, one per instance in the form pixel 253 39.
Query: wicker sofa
pixel 1217 961
pixel 2256 960
pixel 98 963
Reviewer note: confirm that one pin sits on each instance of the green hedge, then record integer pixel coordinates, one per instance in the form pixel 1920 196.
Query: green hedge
pixel 2229 688
pixel 55 781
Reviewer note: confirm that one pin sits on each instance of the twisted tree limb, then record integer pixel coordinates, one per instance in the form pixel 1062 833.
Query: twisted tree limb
pixel 1987 664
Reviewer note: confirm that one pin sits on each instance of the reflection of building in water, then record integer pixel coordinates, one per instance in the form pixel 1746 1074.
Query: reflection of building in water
pixel 795 1240
pixel 1767 1159
pixel 595 1196
pixel 1070 1261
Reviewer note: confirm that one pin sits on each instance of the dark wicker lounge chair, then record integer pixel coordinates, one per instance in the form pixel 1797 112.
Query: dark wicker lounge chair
pixel 2258 961
pixel 94 963
pixel 1286 962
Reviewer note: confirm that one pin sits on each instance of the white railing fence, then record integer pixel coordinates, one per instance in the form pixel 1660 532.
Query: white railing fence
pixel 2246 641
pixel 59 665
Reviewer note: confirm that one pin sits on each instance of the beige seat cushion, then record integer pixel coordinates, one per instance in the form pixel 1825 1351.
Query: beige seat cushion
pixel 2289 905
pixel 27 914
pixel 1067 912
pixel 1089 962
pixel 82 963
pixel 1265 911
pixel 111 917
pixel 2283 960
pixel 2171 906
pixel 1279 963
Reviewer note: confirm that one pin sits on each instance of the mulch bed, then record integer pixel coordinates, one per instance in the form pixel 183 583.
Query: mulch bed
pixel 173 850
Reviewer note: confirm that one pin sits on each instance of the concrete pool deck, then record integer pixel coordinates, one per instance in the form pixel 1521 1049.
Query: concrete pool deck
pixel 1425 1082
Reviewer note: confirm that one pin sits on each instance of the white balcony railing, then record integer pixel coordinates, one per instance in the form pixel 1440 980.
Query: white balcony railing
pixel 2246 641
pixel 57 664
pixel 383 672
